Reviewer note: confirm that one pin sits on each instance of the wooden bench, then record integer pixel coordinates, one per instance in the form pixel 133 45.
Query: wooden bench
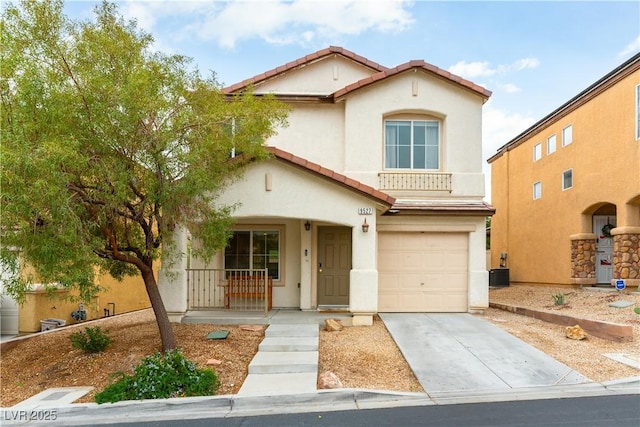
pixel 248 287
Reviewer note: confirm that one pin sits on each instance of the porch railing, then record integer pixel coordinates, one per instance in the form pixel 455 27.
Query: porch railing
pixel 229 289
pixel 415 181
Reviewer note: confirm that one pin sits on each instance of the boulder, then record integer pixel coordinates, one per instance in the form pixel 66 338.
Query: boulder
pixel 329 380
pixel 332 325
pixel 575 332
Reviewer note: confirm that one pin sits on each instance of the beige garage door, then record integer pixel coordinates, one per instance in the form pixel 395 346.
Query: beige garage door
pixel 422 272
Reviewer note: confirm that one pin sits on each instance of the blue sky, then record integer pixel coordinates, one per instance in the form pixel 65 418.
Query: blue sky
pixel 534 56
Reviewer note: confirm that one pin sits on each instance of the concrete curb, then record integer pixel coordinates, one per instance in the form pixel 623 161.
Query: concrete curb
pixel 322 401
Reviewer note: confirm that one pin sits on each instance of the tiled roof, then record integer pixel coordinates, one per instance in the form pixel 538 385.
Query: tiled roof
pixel 304 61
pixel 340 179
pixel 415 64
pixel 440 207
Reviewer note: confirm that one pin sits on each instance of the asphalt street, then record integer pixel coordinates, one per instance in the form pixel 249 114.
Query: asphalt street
pixel 601 411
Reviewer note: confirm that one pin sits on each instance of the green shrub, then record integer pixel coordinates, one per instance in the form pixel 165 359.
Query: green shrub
pixel 636 310
pixel 558 299
pixel 93 340
pixel 161 376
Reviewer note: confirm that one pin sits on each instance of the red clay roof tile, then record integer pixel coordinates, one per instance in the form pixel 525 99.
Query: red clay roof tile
pixel 338 178
pixel 382 72
pixel 303 61
pixel 413 64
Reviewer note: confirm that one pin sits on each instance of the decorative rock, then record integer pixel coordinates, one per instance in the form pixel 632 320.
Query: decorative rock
pixel 214 362
pixel 329 380
pixel 582 259
pixel 575 332
pixel 332 325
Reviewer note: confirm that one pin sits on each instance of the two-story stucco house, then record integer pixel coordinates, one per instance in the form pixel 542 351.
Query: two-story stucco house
pixel 373 199
pixel 567 189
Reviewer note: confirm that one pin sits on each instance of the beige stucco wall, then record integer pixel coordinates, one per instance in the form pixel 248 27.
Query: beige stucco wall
pixel 605 159
pixel 322 77
pixel 128 295
pixel 459 110
pixel 295 197
pixel 348 136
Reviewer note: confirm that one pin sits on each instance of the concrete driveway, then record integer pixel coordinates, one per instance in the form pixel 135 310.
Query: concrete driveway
pixel 459 352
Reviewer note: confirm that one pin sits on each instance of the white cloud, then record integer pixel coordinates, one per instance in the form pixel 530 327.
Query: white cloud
pixel 274 21
pixel 476 69
pixel 524 63
pixel 631 49
pixel 510 88
pixel 471 70
pixel 498 128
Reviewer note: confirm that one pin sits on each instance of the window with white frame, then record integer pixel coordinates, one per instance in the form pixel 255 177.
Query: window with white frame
pixel 567 179
pixel 412 144
pixel 537 190
pixel 537 152
pixel 638 112
pixel 567 135
pixel 551 144
pixel 254 249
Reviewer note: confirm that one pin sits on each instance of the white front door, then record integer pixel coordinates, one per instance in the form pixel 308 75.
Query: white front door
pixel 604 247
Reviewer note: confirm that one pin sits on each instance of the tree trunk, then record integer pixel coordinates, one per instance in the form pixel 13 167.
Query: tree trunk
pixel 162 318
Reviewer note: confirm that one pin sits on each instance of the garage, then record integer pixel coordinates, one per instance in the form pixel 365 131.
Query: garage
pixel 422 272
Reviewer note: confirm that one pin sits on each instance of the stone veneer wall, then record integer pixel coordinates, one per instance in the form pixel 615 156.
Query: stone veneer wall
pixel 626 255
pixel 583 259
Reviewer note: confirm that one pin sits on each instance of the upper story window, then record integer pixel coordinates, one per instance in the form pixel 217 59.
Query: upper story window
pixel 551 144
pixel 537 152
pixel 567 135
pixel 412 144
pixel 567 179
pixel 537 190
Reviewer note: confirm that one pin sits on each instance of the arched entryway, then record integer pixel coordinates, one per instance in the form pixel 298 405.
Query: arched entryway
pixel 604 220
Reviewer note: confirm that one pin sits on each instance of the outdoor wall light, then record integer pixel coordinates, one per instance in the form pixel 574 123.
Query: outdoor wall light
pixel 307 225
pixel 365 226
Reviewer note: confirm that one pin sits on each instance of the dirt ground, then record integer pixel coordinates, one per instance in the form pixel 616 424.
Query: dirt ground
pixel 362 357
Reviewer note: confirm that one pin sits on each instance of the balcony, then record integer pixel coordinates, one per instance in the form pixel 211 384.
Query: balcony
pixel 415 181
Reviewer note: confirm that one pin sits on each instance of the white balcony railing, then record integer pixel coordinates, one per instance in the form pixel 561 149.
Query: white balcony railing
pixel 415 181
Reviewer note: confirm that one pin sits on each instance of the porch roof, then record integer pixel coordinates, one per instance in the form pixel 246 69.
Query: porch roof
pixel 440 207
pixel 316 169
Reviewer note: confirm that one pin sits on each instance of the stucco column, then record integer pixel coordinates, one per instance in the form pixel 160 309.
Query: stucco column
pixel 583 259
pixel 172 277
pixel 626 255
pixel 305 266
pixel 478 275
pixel 363 291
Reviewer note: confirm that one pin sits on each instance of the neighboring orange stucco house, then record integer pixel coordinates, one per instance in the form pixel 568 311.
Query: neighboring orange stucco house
pixel 567 190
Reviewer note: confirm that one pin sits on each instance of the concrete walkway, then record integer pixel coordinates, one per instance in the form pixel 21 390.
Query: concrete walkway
pixel 286 361
pixel 453 353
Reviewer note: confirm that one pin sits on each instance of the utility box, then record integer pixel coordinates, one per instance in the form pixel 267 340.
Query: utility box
pixel 499 277
pixel 48 324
